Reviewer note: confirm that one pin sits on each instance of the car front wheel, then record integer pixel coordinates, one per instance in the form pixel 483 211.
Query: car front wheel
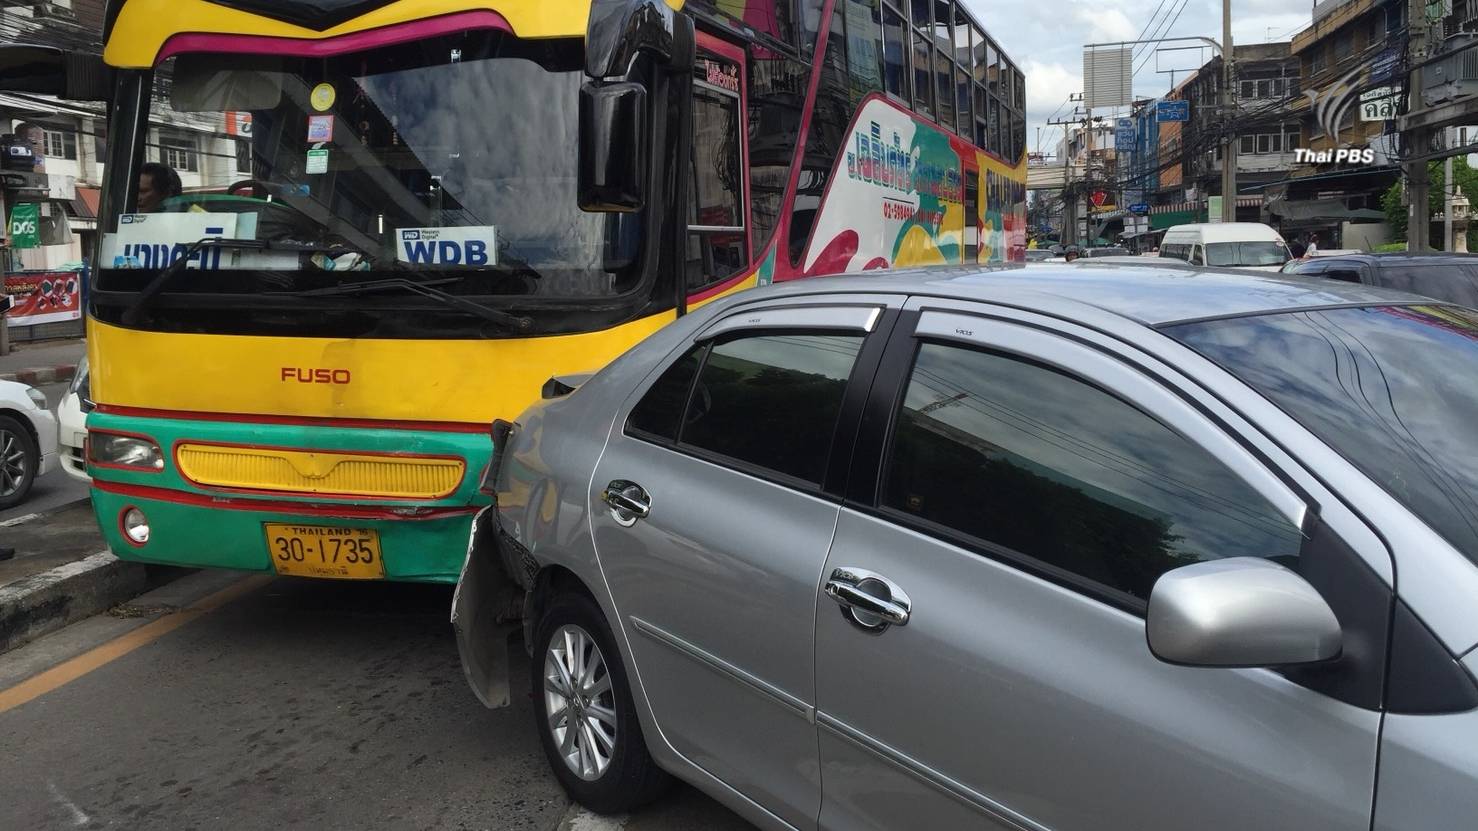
pixel 19 461
pixel 586 718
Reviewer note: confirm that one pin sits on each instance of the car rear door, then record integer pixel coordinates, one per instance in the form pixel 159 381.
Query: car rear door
pixel 981 660
pixel 712 509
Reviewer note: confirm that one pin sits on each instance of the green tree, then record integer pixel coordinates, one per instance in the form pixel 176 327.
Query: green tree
pixel 1464 178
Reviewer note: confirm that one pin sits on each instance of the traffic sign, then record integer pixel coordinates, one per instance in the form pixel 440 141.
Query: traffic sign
pixel 1173 110
pixel 1140 208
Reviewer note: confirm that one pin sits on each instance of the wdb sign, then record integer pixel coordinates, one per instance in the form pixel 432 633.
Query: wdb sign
pixel 475 245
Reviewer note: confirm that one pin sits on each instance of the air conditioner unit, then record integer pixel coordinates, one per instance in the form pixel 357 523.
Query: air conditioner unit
pixel 1454 74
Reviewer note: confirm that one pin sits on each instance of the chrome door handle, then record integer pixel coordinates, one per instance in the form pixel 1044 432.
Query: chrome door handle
pixel 628 501
pixel 868 600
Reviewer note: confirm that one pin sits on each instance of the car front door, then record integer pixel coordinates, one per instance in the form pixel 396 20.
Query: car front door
pixel 981 656
pixel 712 509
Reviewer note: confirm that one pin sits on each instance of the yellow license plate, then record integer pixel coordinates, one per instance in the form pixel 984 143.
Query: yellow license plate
pixel 321 551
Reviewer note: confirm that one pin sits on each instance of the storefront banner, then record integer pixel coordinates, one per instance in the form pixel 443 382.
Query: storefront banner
pixel 44 297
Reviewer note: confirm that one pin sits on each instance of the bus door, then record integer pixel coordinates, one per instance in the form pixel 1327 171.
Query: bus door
pixel 718 208
pixel 970 242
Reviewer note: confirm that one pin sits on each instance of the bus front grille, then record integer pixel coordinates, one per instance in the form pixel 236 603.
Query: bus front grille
pixel 345 474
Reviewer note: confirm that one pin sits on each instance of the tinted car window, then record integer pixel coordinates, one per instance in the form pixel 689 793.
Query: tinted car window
pixel 772 401
pixel 1391 388
pixel 660 411
pixel 1038 464
pixel 1450 283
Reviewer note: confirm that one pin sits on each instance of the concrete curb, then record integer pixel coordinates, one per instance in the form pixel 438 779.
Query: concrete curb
pixel 41 374
pixel 45 602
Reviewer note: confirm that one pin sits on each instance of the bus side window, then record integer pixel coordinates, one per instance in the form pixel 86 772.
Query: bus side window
pixel 718 244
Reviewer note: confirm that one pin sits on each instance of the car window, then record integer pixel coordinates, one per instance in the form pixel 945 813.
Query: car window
pixel 770 401
pixel 660 411
pixel 1391 388
pixel 1052 472
pixel 1454 283
pixel 1342 271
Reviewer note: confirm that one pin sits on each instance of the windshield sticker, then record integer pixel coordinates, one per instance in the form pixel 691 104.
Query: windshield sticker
pixel 323 97
pixel 155 241
pixel 320 129
pixel 317 162
pixel 475 245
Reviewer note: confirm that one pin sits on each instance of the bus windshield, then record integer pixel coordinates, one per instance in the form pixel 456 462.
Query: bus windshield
pixel 455 155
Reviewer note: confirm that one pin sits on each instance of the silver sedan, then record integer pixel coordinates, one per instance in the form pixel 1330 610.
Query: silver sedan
pixel 1109 548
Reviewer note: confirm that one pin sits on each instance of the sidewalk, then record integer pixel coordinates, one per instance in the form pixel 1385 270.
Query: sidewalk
pixel 46 362
pixel 62 572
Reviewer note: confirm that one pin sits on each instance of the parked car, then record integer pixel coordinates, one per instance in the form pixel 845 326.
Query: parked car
pixel 1451 278
pixel 1037 255
pixel 1072 548
pixel 71 416
pixel 27 436
pixel 1107 251
pixel 1250 245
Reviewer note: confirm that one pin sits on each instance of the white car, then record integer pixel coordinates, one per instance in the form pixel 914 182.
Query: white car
pixel 26 427
pixel 71 414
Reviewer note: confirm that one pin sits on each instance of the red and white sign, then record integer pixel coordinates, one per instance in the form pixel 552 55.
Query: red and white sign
pixel 49 297
pixel 1099 197
pixel 238 124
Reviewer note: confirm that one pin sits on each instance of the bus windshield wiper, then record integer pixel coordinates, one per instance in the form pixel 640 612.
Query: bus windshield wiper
pixel 161 280
pixel 425 288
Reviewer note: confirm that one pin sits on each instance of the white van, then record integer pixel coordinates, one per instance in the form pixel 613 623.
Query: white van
pixel 1250 245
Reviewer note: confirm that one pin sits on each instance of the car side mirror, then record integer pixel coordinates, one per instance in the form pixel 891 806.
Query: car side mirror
pixel 1239 612
pixel 47 70
pixel 614 147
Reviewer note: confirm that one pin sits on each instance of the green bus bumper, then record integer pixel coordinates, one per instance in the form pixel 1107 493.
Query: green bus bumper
pixel 424 541
pixel 426 549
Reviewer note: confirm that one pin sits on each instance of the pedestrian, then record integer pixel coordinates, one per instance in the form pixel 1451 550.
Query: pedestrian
pixel 1072 253
pixel 1298 248
pixel 1313 245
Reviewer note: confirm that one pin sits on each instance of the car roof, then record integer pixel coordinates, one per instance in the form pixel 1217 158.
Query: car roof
pixel 1151 295
pixel 1389 258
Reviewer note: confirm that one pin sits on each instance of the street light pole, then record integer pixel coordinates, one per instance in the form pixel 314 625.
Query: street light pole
pixel 1229 147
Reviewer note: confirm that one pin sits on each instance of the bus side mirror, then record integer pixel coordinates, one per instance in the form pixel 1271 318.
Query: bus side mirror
pixel 47 70
pixel 615 153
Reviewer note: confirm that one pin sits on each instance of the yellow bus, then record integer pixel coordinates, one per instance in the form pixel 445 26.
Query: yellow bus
pixel 340 237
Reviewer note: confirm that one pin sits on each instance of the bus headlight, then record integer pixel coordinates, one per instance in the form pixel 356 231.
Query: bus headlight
pixel 117 450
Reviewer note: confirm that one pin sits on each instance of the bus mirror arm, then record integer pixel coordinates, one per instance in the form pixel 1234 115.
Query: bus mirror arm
pixel 48 70
pixel 619 29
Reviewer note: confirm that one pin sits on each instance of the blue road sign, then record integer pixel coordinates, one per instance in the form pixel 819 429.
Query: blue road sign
pixel 1172 111
pixel 1140 208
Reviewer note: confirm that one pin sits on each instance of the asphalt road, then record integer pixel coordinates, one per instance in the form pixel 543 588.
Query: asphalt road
pixel 56 488
pixel 223 701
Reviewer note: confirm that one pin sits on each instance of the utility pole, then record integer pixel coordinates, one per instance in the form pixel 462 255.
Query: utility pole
pixel 1069 202
pixel 1418 216
pixel 1447 204
pixel 1228 99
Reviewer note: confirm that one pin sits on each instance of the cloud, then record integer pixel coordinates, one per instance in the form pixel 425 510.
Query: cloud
pixel 1046 38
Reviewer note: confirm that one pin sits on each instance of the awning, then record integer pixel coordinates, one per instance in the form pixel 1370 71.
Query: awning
pixel 1242 202
pixel 1321 209
pixel 1333 174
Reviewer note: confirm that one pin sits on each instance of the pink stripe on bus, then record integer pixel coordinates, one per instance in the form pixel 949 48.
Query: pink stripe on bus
pixel 341 45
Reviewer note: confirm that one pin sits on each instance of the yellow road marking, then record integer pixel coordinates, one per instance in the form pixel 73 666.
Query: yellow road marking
pixel 74 668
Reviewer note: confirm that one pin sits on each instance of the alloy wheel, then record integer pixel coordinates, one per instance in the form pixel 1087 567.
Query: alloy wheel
pixel 13 463
pixel 580 702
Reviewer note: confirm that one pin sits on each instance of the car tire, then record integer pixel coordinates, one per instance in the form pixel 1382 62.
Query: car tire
pixel 603 766
pixel 19 461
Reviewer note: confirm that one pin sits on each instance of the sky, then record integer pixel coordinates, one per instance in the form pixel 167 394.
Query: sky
pixel 1046 37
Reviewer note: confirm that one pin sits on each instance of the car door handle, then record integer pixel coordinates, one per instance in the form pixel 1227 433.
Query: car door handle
pixel 868 600
pixel 628 501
